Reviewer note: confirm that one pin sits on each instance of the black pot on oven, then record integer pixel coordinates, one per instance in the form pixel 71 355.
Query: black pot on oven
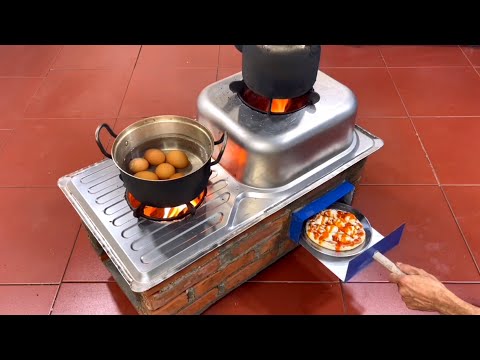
pixel 167 132
pixel 280 71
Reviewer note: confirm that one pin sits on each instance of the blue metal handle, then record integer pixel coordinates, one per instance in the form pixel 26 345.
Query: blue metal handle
pixel 365 258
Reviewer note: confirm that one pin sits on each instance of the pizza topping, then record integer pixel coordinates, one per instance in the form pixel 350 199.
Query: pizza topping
pixel 339 228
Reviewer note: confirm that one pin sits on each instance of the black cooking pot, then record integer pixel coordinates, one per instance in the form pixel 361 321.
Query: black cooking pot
pixel 280 71
pixel 165 133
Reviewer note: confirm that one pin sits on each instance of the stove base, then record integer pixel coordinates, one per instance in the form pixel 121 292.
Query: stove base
pixel 204 282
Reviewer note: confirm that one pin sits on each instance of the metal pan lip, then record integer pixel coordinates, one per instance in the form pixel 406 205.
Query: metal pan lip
pixel 156 121
pixel 343 254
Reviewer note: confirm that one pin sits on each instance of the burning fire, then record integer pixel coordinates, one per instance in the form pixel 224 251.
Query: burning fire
pixel 235 159
pixel 279 105
pixel 167 213
pixel 274 106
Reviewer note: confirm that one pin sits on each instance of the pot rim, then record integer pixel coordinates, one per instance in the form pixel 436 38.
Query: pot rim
pixel 161 118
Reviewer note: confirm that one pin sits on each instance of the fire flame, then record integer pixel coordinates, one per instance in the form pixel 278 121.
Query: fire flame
pixel 166 213
pixel 235 159
pixel 279 105
pixel 274 106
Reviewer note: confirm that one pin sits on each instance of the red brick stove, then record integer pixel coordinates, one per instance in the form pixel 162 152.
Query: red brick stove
pixel 273 165
pixel 206 280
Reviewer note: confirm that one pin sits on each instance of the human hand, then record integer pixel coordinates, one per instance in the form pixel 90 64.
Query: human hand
pixel 421 290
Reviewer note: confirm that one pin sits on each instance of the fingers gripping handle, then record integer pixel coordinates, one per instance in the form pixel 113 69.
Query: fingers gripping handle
pixel 385 262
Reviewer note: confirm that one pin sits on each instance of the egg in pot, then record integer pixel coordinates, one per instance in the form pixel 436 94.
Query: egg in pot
pixel 164 171
pixel 138 164
pixel 146 175
pixel 154 156
pixel 178 159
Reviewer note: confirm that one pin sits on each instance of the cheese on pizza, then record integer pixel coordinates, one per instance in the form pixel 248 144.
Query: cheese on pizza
pixel 336 230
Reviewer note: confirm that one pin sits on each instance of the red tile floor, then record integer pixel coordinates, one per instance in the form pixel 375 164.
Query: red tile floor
pixel 423 101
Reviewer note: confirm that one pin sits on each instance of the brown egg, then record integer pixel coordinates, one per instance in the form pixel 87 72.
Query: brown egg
pixel 154 156
pixel 146 175
pixel 164 171
pixel 178 159
pixel 176 176
pixel 138 164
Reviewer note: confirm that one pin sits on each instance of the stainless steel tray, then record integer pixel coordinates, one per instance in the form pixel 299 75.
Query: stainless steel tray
pixel 342 254
pixel 267 151
pixel 338 265
pixel 147 252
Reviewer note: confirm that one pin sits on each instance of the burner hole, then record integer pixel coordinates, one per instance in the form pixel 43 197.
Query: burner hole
pixel 236 86
pixel 314 98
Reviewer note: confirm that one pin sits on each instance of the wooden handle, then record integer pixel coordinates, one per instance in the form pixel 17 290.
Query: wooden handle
pixel 390 266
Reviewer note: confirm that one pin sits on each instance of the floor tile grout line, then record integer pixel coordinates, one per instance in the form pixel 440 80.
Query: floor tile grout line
pixel 446 199
pixel 411 122
pixel 312 282
pixel 124 96
pixel 397 67
pixel 444 116
pixel 218 62
pixel 468 59
pixel 41 84
pixel 89 281
pixel 379 117
pixel 433 170
pixel 465 185
pixel 103 68
pixel 343 299
pixel 473 66
pixel 50 67
pixel 29 284
pixel 427 66
pixel 387 117
pixel 128 84
pixel 413 184
pixel 119 68
pixel 448 282
pixel 460 229
pixel 478 72
pixel 94 117
pixel 6 140
pixel 60 283
pixel 22 77
pixel 33 96
pixel 349 67
pixel 66 268
pixel 28 187
pixel 394 184
pixel 52 306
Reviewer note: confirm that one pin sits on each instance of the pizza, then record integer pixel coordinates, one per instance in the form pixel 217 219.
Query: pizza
pixel 336 230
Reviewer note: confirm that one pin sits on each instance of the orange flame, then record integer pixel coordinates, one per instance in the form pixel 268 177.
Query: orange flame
pixel 235 159
pixel 279 105
pixel 166 213
pixel 274 106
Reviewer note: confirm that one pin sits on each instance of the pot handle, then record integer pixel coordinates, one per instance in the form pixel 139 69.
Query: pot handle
pixel 99 142
pixel 223 140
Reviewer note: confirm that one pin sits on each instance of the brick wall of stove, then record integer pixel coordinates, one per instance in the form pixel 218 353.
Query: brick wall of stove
pixel 202 283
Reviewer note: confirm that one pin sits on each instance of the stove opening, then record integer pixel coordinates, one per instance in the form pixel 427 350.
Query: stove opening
pixel 274 106
pixel 164 214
